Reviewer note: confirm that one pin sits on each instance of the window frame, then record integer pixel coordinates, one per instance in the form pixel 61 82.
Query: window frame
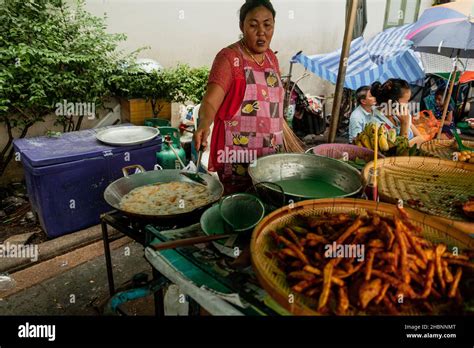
pixel 403 7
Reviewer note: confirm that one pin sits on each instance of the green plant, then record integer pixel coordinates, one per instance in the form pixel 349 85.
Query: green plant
pixel 189 84
pixel 51 52
pixel 179 84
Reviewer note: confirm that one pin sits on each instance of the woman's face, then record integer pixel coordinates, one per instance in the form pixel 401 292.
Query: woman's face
pixel 405 98
pixel 258 29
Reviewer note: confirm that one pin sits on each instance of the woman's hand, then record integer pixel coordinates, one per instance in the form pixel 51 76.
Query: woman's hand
pixel 401 112
pixel 404 117
pixel 211 102
pixel 201 135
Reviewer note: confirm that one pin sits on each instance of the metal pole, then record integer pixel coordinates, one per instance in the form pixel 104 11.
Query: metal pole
pixel 287 91
pixel 158 295
pixel 448 99
pixel 346 44
pixel 108 258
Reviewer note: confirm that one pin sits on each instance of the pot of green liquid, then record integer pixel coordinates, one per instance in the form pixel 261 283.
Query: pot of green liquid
pixel 306 176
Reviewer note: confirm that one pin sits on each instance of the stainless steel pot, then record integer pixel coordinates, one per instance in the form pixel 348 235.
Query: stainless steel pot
pixel 286 166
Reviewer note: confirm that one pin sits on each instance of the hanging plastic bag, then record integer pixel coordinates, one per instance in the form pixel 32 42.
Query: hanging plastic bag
pixel 427 124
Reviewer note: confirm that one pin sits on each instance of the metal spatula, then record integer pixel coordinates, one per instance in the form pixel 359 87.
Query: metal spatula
pixel 195 176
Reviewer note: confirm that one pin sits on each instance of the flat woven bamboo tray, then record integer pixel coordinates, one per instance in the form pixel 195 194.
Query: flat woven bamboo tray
pixel 431 185
pixel 273 279
pixel 443 148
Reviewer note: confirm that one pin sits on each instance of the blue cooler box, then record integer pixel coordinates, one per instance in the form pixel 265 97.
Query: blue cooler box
pixel 66 177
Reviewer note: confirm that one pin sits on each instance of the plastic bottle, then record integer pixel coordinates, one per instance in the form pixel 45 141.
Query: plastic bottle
pixel 175 302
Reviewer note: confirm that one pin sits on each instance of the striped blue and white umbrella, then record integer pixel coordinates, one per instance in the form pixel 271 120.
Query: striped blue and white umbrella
pixel 387 55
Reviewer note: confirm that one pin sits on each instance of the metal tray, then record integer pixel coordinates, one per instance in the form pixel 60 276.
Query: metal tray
pixel 125 136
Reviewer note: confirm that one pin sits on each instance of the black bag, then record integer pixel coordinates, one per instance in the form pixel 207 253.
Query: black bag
pixel 306 119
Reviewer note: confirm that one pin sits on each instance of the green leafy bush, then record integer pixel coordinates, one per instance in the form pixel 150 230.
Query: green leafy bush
pixel 179 84
pixel 50 52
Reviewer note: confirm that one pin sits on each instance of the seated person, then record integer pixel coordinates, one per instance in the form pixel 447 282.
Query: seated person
pixel 437 109
pixel 363 114
pixel 393 98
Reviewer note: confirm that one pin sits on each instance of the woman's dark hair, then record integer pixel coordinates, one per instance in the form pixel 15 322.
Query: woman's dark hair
pixel 251 4
pixel 392 89
pixel 439 91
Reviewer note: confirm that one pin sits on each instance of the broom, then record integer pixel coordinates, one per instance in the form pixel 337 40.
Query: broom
pixel 291 143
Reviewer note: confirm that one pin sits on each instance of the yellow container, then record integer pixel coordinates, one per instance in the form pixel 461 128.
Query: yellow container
pixel 135 111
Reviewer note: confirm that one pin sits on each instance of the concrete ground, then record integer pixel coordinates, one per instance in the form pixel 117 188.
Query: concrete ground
pixel 75 283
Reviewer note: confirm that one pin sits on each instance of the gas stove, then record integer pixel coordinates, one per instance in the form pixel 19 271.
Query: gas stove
pixel 136 228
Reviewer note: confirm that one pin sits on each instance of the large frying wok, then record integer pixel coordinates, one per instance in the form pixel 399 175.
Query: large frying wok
pixel 114 193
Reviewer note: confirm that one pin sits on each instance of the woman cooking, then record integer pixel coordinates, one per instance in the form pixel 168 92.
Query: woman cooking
pixel 244 99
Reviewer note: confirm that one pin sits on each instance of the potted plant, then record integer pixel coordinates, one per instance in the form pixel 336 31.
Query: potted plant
pixel 150 94
pixel 142 94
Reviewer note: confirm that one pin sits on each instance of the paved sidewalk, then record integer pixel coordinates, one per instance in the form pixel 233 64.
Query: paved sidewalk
pixel 57 246
pixel 76 283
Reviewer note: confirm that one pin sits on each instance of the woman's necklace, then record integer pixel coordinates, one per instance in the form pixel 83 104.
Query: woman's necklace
pixel 251 55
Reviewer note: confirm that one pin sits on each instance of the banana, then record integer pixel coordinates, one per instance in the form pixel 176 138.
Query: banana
pixel 366 141
pixel 372 140
pixel 372 127
pixel 383 141
pixel 357 141
pixel 382 130
pixel 368 128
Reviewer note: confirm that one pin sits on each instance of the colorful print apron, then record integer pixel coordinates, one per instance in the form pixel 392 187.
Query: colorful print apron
pixel 256 129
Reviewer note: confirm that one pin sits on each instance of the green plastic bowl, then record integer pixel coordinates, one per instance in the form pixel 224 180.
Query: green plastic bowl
pixel 241 212
pixel 212 222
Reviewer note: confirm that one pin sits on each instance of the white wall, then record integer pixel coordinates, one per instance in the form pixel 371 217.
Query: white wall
pixel 193 31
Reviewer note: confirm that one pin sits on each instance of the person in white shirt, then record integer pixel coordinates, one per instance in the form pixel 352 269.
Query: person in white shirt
pixel 363 114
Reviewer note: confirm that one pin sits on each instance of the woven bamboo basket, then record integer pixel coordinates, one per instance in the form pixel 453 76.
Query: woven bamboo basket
pixel 273 279
pixel 443 148
pixel 431 185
